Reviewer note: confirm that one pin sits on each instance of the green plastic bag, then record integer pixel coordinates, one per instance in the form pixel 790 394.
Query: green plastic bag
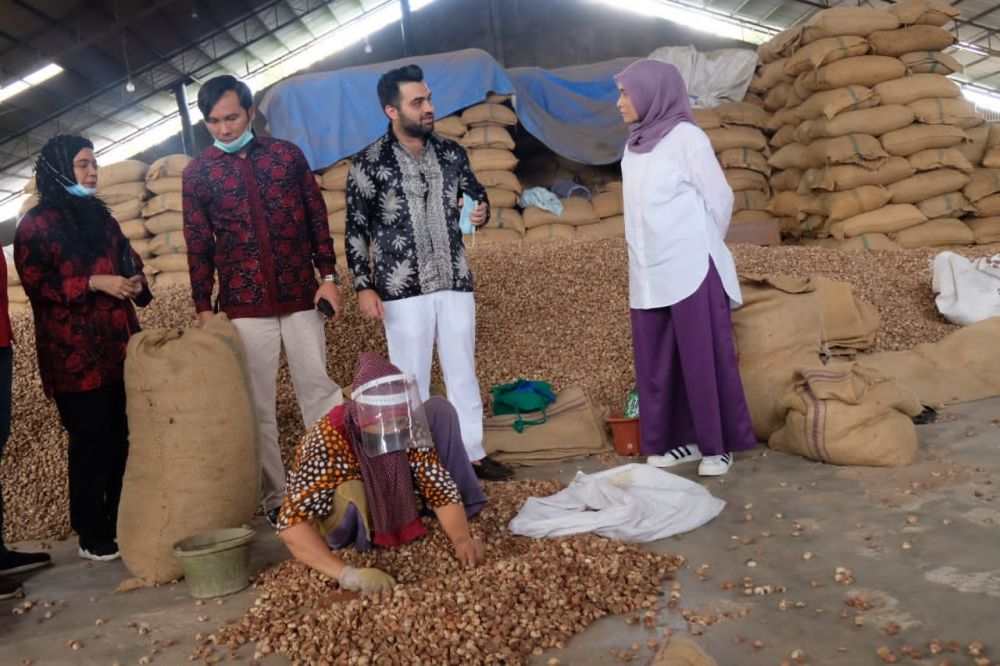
pixel 520 397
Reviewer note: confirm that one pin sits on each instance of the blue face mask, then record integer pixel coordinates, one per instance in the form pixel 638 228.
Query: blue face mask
pixel 237 145
pixel 79 190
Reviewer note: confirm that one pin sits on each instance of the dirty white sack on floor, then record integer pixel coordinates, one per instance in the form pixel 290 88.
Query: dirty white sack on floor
pixel 967 291
pixel 633 503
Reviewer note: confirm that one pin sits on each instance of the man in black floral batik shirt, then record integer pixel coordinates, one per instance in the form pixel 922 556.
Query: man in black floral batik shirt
pixel 405 250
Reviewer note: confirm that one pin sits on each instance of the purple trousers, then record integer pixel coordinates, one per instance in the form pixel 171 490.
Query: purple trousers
pixel 447 435
pixel 688 376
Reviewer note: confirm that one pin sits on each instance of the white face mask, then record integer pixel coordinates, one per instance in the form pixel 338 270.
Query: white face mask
pixel 236 145
pixel 79 190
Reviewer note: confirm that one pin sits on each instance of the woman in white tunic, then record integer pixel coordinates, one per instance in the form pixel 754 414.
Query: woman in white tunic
pixel 682 279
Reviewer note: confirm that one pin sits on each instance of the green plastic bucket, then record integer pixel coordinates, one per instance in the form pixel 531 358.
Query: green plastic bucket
pixel 216 562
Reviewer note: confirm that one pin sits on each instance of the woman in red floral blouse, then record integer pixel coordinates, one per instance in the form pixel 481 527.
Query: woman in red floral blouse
pixel 80 276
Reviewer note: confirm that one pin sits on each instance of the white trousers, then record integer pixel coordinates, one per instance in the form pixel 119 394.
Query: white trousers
pixel 413 326
pixel 303 338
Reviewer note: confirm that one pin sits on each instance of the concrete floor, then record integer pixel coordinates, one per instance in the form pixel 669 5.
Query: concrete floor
pixel 922 542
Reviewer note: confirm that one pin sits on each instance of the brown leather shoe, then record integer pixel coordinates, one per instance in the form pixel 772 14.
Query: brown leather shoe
pixel 489 469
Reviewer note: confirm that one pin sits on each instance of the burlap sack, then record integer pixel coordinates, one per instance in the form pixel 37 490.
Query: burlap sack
pixel 868 70
pixel 737 137
pixel 931 62
pixel 502 180
pixel 859 21
pixel 576 212
pixel 984 183
pixel 784 137
pixel 339 248
pixel 750 200
pixel 192 463
pixel 547 232
pixel 334 200
pixel 911 140
pixel 173 279
pixel 335 178
pixel 741 158
pixel 746 179
pixel 940 158
pixel 171 242
pixel 987 206
pixel 985 229
pixel 162 203
pixel 450 126
pixel 847 176
pixel 952 204
pixel 126 171
pixel 742 113
pixel 750 216
pixel 127 210
pixel 501 198
pixel 787 180
pixel 894 217
pixel 825 51
pixel 122 192
pixel 336 222
pixel 781 45
pixel 169 263
pixel 609 204
pixel 488 136
pixel 875 121
pixel 134 229
pixel 493 235
pixel 16 294
pixel 161 223
pixel 848 415
pixel 164 185
pixel 27 204
pixel 141 247
pixel 842 205
pixel 490 159
pixel 792 156
pixel 773 73
pixel 908 39
pixel 907 89
pixel 929 12
pixel 506 218
pixel 862 243
pixel 783 117
pixel 608 227
pixel 991 160
pixel 946 111
pixel 789 205
pixel 706 119
pixel 831 102
pixel 861 149
pixel 753 98
pixel 936 233
pixel 480 114
pixel 168 166
pixel 927 184
pixel 977 145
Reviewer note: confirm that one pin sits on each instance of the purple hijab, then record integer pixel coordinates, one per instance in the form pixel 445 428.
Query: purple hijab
pixel 660 98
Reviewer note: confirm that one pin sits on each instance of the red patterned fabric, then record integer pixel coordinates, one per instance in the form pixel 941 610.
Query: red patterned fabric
pixel 80 335
pixel 6 335
pixel 261 223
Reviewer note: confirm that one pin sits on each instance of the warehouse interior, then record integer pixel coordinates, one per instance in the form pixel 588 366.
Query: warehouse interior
pixel 865 166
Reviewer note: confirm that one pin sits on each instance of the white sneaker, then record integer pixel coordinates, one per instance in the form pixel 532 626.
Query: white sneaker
pixel 99 554
pixel 681 454
pixel 715 465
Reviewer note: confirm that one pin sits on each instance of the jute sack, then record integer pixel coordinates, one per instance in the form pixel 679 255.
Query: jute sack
pixel 894 217
pixel 910 88
pixel 339 248
pixel 122 192
pixel 488 136
pixel 781 45
pixel 493 236
pixel 781 118
pixel 859 21
pixel 931 62
pixel 946 111
pixel 831 102
pixel 935 233
pixel 792 156
pixel 503 180
pixel 192 463
pixel 930 12
pixel 173 278
pixel 134 229
pixel 609 204
pixel 927 184
pixel 789 204
pixel 706 119
pixel 912 38
pixel 335 200
pixel 337 222
pixel 169 263
pixel 497 114
pixel 13 279
pixel 126 171
pixel 991 160
pixel 28 204
pixel 847 176
pixel 875 121
pixel 161 203
pixel 787 180
pixel 753 98
pixel 737 137
pixel 127 210
pixel 576 212
pixel 490 159
pixel 608 227
pixel 848 415
pixel 750 200
pixel 164 185
pixel 161 223
pixel 911 140
pixel 987 206
pixel 746 179
pixel 335 178
pixel 784 136
pixel 742 113
pixel 451 126
pixel 501 198
pixel 952 204
pixel 748 216
pixel 740 158
pixel 977 145
pixel 984 183
pixel 862 243
pixel 168 166
pixel 842 205
pixel 985 229
pixel 141 247
pixel 940 158
pixel 506 218
pixel 773 73
pixel 824 51
pixel 171 242
pixel 867 70
pixel 861 149
pixel 16 294
pixel 550 232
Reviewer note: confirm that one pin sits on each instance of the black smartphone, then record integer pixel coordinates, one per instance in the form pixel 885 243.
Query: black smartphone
pixel 325 307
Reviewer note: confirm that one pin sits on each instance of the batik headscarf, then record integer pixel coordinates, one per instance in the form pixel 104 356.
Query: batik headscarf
pixel 660 98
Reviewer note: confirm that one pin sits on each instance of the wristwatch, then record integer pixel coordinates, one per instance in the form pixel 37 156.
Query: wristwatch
pixel 332 277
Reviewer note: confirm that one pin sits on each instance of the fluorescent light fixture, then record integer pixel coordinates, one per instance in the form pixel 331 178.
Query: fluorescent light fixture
pixel 982 98
pixel 9 208
pixel 972 48
pixel 18 86
pixel 696 19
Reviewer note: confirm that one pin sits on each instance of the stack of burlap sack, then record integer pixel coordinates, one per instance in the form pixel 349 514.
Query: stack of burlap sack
pixel 165 252
pixel 872 141
pixel 333 182
pixel 736 130
pixel 983 190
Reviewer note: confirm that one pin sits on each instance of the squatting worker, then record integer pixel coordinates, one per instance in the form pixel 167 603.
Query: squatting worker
pixel 340 496
pixel 254 215
pixel 682 278
pixel 73 259
pixel 405 250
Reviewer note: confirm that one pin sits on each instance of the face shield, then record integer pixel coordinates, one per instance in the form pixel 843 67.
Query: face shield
pixel 391 415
